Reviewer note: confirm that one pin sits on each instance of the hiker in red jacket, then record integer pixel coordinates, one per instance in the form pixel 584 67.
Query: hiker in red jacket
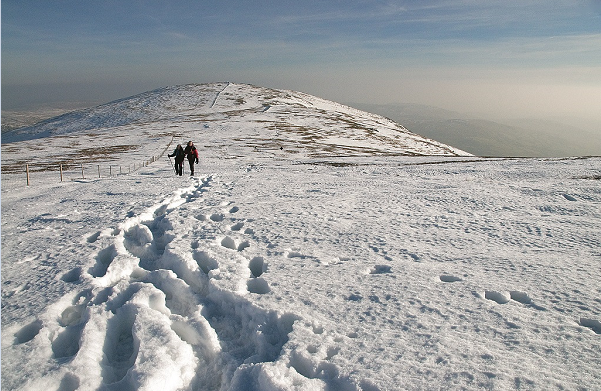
pixel 192 154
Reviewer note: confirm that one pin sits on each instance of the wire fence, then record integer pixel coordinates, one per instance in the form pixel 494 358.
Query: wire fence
pixel 92 171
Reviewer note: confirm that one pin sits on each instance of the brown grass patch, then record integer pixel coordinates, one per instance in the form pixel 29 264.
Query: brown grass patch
pixel 68 160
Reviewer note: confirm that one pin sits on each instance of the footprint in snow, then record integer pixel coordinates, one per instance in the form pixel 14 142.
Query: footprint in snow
pixel 72 275
pixel 104 258
pixel 355 297
pixel 28 332
pixel 73 314
pixel 381 269
pixel 120 351
pixel 449 278
pixel 257 266
pixel 592 324
pixel 498 297
pixel 66 344
pixel 506 297
pixel 205 262
pixel 317 328
pixel 329 354
pixel 217 217
pixel 69 382
pixel 237 227
pixel 257 284
pixel 296 253
pixel 228 242
pixel 319 368
pixel 94 237
pixel 520 297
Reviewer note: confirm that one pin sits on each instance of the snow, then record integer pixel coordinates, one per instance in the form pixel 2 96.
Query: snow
pixel 297 268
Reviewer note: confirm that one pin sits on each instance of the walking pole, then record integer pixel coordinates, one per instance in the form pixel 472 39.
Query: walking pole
pixel 172 166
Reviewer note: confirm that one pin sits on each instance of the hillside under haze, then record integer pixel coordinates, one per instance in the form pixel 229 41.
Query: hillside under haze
pixel 260 118
pixel 509 138
pixel 318 247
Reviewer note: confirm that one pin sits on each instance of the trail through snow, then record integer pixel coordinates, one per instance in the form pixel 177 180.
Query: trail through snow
pixel 143 283
pixel 164 306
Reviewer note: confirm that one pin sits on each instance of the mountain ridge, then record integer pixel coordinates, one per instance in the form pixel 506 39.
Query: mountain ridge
pixel 263 116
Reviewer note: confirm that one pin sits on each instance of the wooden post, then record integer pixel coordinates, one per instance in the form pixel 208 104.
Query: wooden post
pixel 61 170
pixel 99 171
pixel 82 175
pixel 120 172
pixel 110 170
pixel 27 171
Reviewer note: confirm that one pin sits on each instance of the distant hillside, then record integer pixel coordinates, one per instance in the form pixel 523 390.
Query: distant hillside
pixel 520 137
pixel 244 116
pixel 15 119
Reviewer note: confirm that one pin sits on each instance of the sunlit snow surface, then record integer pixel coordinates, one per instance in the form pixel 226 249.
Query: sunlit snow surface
pixel 272 270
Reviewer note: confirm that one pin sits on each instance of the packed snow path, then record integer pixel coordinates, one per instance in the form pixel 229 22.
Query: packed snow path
pixel 166 307
pixel 334 275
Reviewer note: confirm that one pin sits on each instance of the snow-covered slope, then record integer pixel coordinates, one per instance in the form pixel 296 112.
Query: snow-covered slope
pixel 254 117
pixel 273 270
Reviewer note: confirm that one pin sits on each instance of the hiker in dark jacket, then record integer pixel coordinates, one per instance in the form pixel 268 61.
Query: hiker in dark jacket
pixel 179 159
pixel 192 154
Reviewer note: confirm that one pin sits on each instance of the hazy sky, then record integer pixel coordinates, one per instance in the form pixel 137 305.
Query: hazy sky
pixel 496 57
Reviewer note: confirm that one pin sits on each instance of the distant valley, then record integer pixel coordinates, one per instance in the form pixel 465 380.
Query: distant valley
pixel 511 138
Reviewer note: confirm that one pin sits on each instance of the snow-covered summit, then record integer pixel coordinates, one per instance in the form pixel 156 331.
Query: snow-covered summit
pixel 251 116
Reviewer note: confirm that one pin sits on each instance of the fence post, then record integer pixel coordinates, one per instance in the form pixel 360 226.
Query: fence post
pixel 110 170
pixel 99 171
pixel 82 175
pixel 61 170
pixel 27 171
